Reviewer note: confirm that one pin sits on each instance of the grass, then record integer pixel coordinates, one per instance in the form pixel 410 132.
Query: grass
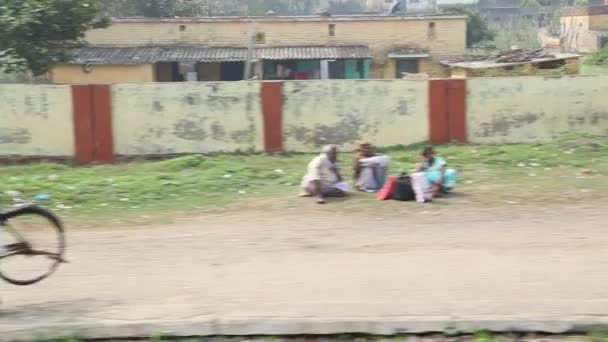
pixel 588 69
pixel 490 175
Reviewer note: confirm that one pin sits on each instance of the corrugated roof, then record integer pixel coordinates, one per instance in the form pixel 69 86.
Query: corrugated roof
pixel 277 18
pixel 493 64
pixel 154 54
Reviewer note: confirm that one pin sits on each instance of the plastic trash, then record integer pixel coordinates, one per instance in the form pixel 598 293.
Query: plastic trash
pixel 43 197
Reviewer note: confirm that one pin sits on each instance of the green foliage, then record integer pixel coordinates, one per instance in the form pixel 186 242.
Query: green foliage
pixel 197 8
pixel 156 8
pixel 483 336
pixel 524 35
pixel 477 27
pixel 600 57
pixel 33 32
pixel 345 7
pixel 598 335
pixel 589 69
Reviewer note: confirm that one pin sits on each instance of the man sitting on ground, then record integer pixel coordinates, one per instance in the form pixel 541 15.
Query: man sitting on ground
pixel 323 178
pixel 370 169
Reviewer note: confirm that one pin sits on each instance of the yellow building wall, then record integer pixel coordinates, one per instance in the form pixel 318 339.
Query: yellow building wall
pixel 167 118
pixel 36 120
pixel 576 35
pixel 383 36
pixel 545 107
pixel 74 74
pixel 598 22
pixel 573 66
pixel 343 112
pixel 425 65
pixel 459 73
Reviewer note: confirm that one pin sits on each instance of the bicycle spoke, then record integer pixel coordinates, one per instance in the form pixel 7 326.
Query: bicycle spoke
pixel 52 256
pixel 10 254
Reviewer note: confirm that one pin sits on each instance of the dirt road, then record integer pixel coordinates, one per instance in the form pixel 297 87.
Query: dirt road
pixel 299 269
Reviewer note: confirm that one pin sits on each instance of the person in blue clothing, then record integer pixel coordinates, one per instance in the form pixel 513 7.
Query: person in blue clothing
pixel 442 179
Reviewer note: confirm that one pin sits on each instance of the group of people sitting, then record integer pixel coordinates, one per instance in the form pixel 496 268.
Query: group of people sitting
pixel 324 178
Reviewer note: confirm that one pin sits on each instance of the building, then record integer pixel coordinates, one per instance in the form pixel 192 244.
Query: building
pixel 584 29
pixel 308 47
pixel 548 65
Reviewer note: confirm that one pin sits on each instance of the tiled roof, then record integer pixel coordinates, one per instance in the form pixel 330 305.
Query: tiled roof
pixel 277 18
pixel 154 54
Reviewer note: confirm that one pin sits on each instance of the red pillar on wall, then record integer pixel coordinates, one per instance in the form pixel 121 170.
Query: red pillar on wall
pixel 272 111
pixel 438 112
pixel 457 111
pixel 83 123
pixel 92 108
pixel 447 111
pixel 102 124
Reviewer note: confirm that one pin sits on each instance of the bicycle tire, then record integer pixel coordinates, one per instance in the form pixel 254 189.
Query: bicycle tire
pixel 57 225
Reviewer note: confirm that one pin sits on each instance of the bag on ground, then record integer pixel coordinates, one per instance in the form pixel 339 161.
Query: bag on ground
pixel 403 190
pixel 388 189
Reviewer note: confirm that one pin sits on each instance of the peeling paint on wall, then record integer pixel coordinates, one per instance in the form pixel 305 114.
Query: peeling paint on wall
pixel 385 113
pixel 15 135
pixel 187 118
pixel 36 120
pixel 509 110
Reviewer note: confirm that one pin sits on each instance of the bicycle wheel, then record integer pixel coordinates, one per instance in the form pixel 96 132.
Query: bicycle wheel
pixel 35 246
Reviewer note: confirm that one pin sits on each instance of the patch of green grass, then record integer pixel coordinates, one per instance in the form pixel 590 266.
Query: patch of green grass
pixel 483 336
pixel 588 69
pixel 598 335
pixel 521 172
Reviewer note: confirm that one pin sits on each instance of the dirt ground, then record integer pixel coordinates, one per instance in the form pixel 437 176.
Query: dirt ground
pixel 290 258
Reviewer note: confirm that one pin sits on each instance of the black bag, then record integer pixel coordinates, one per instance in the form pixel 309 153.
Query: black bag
pixel 403 189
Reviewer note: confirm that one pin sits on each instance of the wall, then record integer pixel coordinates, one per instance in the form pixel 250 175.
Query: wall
pixel 187 118
pixel 543 108
pixel 598 22
pixel 74 74
pixel 386 113
pixel 94 123
pixel 424 66
pixel 36 120
pixel 381 35
pixel 576 35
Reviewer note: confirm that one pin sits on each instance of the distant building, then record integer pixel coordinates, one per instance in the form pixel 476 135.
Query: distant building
pixel 308 47
pixel 584 29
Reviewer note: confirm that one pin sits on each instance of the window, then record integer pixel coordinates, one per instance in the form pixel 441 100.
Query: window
pixel 431 30
pixel 331 30
pixel 336 70
pixel 260 38
pixel 406 65
pixel 182 28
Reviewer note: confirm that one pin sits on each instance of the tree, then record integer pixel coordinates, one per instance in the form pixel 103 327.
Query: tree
pixel 477 27
pixel 281 7
pixel 35 33
pixel 199 8
pixel 156 8
pixel 345 6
